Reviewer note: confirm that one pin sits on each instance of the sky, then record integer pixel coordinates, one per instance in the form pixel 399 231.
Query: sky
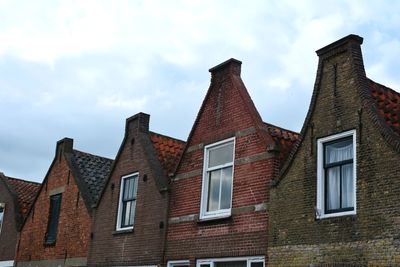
pixel 78 69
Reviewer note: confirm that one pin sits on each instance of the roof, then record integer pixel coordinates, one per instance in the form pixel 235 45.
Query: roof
pixel 168 149
pixel 92 172
pixel 284 138
pixel 387 102
pixel 26 192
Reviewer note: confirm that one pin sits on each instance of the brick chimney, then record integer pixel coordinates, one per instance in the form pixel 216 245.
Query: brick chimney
pixel 349 42
pixel 138 122
pixel 64 145
pixel 225 69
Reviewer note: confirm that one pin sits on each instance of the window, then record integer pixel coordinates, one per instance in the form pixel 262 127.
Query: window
pixel 232 262
pixel 54 214
pixel 336 183
pixel 127 202
pixel 2 208
pixel 182 263
pixel 217 180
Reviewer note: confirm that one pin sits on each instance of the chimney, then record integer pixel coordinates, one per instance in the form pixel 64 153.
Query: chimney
pixel 350 42
pixel 230 67
pixel 64 145
pixel 138 122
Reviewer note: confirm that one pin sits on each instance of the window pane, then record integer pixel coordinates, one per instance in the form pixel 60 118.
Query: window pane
pixel 132 212
pixel 333 188
pixel 339 151
pixel 129 188
pixel 1 214
pixel 126 214
pixel 55 205
pixel 220 155
pixel 231 264
pixel 226 188
pixel 257 264
pixel 347 186
pixel 213 190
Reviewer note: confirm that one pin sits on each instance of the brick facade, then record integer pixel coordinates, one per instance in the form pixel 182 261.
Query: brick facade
pixel 341 102
pixel 74 227
pixel 226 112
pixel 153 157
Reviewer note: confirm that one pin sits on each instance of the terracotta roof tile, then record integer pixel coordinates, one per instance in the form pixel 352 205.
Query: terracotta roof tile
pixel 388 104
pixel 26 192
pixel 169 150
pixel 285 139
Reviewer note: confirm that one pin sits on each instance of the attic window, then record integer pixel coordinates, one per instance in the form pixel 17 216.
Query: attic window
pixel 2 208
pixel 54 215
pixel 336 184
pixel 127 202
pixel 217 180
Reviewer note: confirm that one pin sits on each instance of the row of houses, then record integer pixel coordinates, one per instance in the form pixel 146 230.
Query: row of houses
pixel 239 192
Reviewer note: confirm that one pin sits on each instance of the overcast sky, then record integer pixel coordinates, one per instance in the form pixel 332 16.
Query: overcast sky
pixel 79 68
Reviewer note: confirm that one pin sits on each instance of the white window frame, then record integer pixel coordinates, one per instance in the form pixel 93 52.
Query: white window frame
pixel 320 212
pixel 249 260
pixel 178 263
pixel 2 205
pixel 221 213
pixel 121 192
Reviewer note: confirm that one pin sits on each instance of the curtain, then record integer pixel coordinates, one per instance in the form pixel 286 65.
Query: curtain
pixel 333 188
pixel 339 151
pixel 347 186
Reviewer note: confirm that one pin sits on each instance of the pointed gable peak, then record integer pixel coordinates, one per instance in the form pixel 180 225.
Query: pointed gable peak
pixel 225 69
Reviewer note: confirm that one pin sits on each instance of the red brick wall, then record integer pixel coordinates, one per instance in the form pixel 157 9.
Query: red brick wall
pixel 74 221
pixel 8 234
pixel 144 245
pixel 226 112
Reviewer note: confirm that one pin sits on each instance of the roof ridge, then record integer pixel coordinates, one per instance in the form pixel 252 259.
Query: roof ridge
pixel 281 128
pixel 384 86
pixel 91 154
pixel 22 180
pixel 167 136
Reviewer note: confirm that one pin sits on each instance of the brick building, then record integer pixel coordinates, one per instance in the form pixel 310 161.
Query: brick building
pixel 57 229
pixel 130 222
pixel 220 193
pixel 336 201
pixel 16 198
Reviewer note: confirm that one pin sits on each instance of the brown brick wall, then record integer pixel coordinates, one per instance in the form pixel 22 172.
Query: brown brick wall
pixel 74 221
pixel 371 237
pixel 144 245
pixel 8 234
pixel 226 112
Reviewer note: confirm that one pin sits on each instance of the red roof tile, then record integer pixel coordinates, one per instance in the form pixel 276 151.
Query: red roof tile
pixel 169 150
pixel 388 104
pixel 284 138
pixel 26 192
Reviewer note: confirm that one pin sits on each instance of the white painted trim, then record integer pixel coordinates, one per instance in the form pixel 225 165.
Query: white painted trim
pixel 6 263
pixel 222 213
pixel 118 226
pixel 2 205
pixel 178 263
pixel 249 260
pixel 320 212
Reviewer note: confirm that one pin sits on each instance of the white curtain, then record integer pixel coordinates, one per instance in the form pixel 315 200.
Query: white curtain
pixel 339 152
pixel 347 186
pixel 333 190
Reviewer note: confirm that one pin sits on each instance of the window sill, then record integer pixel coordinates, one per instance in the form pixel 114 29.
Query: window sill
pixel 214 219
pixel 336 215
pixel 123 231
